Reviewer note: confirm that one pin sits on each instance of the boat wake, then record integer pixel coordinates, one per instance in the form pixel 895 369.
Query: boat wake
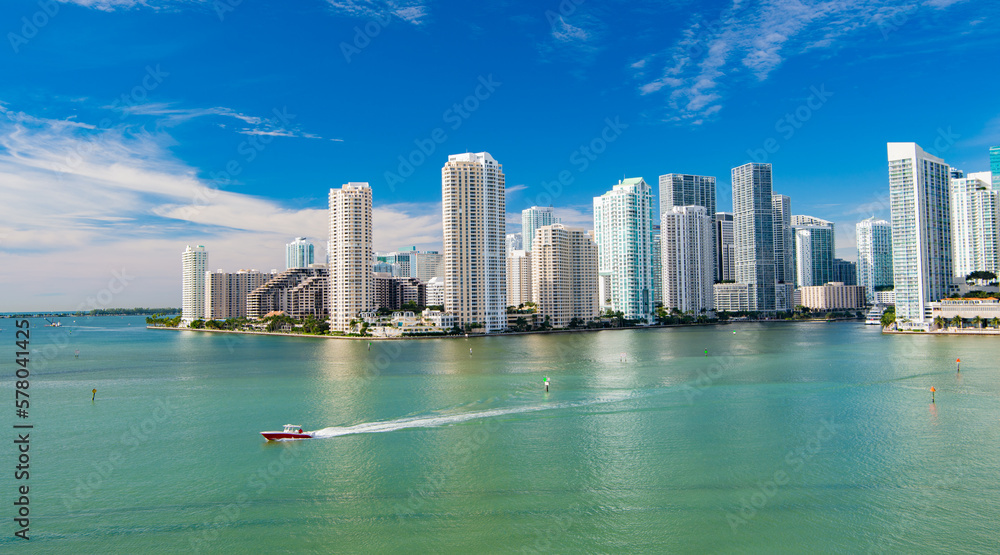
pixel 444 420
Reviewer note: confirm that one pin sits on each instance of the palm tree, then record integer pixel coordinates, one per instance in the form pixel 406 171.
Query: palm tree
pixel 995 322
pixel 977 322
pixel 939 322
pixel 956 322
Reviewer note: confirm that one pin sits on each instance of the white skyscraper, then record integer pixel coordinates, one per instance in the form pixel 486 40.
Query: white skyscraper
pixel 921 230
pixel 351 282
pixel 874 255
pixel 679 189
pixel 473 204
pixel 564 275
pixel 518 278
pixel 622 227
pixel 753 219
pixel 688 271
pixel 656 264
pixel 194 260
pixel 814 251
pixel 975 215
pixel 299 253
pixel 532 219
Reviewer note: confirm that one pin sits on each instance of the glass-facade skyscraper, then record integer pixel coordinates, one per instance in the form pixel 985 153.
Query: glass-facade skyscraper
pixel 298 253
pixel 753 224
pixel 995 166
pixel 681 189
pixel 532 219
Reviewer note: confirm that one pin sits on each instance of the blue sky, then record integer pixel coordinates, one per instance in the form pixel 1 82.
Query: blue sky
pixel 130 128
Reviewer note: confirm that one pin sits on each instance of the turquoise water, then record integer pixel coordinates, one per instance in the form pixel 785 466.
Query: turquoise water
pixel 807 437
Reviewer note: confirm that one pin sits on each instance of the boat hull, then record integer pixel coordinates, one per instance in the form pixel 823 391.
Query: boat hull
pixel 274 436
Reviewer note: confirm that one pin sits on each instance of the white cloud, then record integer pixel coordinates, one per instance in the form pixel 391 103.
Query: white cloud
pixel 77 203
pixel 167 115
pixel 411 11
pixel 751 40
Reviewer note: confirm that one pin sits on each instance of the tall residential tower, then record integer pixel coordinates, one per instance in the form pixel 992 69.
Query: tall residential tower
pixel 921 230
pixel 473 205
pixel 874 255
pixel 351 282
pixel 622 229
pixel 194 261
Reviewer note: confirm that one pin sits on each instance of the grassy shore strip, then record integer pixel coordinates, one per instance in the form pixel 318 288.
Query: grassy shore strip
pixel 534 332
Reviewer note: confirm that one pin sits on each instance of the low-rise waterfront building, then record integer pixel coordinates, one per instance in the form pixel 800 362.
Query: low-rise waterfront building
pixel 832 296
pixel 733 297
pixel 966 309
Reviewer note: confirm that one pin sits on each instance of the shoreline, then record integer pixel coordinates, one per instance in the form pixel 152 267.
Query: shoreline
pixel 505 334
pixel 942 332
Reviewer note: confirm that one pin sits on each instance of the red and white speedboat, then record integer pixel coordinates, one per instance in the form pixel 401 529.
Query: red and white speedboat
pixel 291 431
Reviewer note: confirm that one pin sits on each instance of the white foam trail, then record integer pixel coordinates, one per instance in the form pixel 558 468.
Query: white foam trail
pixel 435 421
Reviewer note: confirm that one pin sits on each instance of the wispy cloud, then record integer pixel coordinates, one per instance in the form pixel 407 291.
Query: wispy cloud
pixel 747 42
pixel 514 188
pixel 112 5
pixel 411 11
pixel 98 200
pixel 169 115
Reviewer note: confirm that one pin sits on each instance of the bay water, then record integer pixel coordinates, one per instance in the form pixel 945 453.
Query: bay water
pixel 743 438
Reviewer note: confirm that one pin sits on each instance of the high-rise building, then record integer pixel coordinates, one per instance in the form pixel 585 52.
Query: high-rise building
pixel 351 280
pixel 194 260
pixel 921 230
pixel 753 222
pixel 784 239
pixel 427 265
pixel 657 263
pixel 226 293
pixel 995 166
pixel 532 219
pixel 299 253
pixel 975 226
pixel 688 271
pixel 622 228
pixel 725 262
pixel 515 242
pixel 518 278
pixel 473 205
pixel 815 247
pixel 298 292
pixel 564 275
pixel 845 271
pixel 874 256
pixel 678 189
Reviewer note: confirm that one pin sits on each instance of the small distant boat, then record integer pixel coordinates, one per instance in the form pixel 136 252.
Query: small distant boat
pixel 291 431
pixel 52 324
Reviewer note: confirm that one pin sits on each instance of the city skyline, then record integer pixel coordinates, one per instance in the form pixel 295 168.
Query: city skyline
pixel 154 146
